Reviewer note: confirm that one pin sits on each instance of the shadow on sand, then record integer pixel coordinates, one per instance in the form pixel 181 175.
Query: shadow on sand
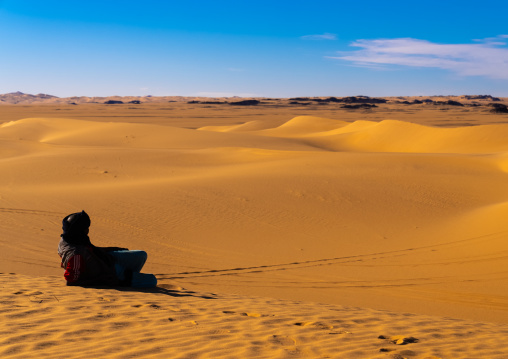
pixel 165 289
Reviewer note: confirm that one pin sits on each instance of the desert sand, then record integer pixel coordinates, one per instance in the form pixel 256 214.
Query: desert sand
pixel 275 230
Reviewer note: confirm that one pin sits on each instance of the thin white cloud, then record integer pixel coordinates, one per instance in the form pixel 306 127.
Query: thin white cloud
pixel 325 36
pixel 498 40
pixel 488 58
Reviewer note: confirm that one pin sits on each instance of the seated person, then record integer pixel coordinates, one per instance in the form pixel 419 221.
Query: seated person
pixel 88 265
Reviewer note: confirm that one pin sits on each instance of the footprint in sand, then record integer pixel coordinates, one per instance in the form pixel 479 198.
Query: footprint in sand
pixel 105 299
pixel 254 315
pixel 246 314
pixel 320 325
pixel 317 325
pixel 283 340
pixel 304 324
pixel 42 298
pixel 399 339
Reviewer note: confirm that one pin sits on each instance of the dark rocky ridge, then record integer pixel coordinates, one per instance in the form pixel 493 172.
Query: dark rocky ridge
pixel 350 99
pixel 365 106
pixel 17 97
pixel 481 97
pixel 477 101
pixel 246 103
pixel 499 108
pixel 449 102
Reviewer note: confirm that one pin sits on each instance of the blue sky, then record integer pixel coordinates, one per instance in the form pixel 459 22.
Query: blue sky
pixel 262 48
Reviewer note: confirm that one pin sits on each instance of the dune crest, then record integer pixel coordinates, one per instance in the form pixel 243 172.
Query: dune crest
pixel 61 131
pixel 398 136
pixel 305 126
pixel 383 136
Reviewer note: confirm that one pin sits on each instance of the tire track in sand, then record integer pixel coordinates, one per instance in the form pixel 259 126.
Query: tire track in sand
pixel 359 258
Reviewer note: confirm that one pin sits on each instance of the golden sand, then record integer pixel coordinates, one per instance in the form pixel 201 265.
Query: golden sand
pixel 41 318
pixel 251 216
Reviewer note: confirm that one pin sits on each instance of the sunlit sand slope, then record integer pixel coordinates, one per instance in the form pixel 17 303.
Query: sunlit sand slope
pixel 389 136
pixel 41 318
pixel 387 215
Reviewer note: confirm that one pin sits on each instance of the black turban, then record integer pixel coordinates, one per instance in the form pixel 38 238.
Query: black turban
pixel 75 228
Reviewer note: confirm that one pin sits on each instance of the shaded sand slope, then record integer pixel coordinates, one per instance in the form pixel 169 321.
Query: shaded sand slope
pixel 387 215
pixel 40 317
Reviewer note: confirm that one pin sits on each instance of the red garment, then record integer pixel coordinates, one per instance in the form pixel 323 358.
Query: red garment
pixel 75 266
pixel 86 265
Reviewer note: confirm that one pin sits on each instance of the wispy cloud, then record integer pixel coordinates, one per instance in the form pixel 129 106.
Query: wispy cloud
pixel 498 40
pixel 487 57
pixel 325 36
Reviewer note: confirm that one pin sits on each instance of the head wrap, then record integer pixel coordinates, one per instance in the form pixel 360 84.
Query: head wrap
pixel 75 228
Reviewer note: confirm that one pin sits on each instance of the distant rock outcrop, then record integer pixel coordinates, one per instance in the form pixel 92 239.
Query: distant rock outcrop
pixel 414 102
pixel 365 106
pixel 449 103
pixel 44 96
pixel 20 97
pixel 208 102
pixel 299 103
pixel 299 99
pixel 246 103
pixel 350 99
pixel 472 101
pixel 363 99
pixel 481 97
pixel 236 103
pixel 499 108
pixel 327 100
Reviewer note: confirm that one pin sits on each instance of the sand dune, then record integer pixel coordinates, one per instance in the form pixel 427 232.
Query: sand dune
pixel 388 136
pixel 388 215
pixel 42 318
pixel 398 136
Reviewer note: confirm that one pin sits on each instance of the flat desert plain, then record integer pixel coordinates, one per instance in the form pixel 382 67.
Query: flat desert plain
pixel 275 230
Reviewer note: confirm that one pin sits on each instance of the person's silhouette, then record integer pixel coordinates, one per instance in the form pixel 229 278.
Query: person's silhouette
pixel 88 265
